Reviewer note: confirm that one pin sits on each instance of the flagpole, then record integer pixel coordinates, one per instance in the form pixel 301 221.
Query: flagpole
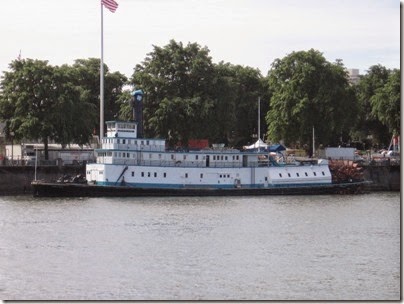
pixel 259 118
pixel 102 77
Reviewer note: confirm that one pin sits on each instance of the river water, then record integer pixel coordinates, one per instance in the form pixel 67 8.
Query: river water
pixel 198 248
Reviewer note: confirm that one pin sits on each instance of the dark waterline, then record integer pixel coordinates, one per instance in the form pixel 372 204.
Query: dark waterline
pixel 218 248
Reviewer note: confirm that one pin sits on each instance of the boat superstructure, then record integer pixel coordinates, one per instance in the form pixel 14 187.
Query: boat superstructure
pixel 126 160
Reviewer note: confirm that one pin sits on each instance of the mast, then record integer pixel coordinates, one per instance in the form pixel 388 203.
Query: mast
pixel 259 118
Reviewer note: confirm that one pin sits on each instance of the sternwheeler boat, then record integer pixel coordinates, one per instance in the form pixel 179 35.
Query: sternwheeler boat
pixel 128 165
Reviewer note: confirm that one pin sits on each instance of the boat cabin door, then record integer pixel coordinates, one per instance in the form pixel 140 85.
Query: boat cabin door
pixel 93 175
pixel 207 161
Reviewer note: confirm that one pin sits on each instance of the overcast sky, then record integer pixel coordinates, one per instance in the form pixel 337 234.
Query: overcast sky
pixel 246 32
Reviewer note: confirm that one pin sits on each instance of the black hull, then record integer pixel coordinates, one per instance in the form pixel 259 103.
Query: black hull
pixel 43 189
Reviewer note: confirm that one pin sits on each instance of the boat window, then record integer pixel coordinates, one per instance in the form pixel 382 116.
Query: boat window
pixel 196 157
pixel 297 174
pixel 123 141
pixel 237 157
pixel 147 142
pixel 165 174
pixel 305 173
pixel 142 174
pixel 201 175
pixel 225 158
pixel 133 173
pixel 323 172
pixel 289 174
pixel 280 174
pixel 214 157
pixel 315 174
pixel 148 174
pixel 266 178
pixel 172 156
pixel 186 175
pixel 155 174
pixel 185 157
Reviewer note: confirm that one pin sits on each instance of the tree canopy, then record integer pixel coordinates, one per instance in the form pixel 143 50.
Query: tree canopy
pixel 367 123
pixel 39 101
pixel 87 75
pixel 45 102
pixel 308 91
pixel 172 76
pixel 189 96
pixel 386 102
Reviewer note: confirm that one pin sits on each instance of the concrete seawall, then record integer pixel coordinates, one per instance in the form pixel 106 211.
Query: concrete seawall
pixel 383 177
pixel 15 180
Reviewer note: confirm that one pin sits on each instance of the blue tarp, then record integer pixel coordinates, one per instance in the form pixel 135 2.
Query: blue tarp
pixel 276 148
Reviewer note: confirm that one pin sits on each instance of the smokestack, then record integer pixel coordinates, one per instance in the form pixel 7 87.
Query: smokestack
pixel 137 108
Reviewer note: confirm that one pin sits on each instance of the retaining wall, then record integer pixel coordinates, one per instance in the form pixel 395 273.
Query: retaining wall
pixel 16 180
pixel 383 177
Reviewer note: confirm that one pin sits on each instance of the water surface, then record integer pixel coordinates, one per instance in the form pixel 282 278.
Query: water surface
pixel 208 248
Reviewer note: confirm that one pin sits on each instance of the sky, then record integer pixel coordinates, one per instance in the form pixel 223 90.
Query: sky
pixel 243 32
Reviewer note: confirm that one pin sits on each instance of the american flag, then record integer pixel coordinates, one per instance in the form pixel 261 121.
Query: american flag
pixel 110 4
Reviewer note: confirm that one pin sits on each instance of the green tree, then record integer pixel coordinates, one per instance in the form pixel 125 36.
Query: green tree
pixel 87 76
pixel 181 117
pixel 74 115
pixel 308 91
pixel 237 89
pixel 368 124
pixel 39 101
pixel 386 103
pixel 172 73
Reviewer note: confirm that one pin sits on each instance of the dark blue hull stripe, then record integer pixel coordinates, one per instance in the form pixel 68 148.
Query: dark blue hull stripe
pixel 212 186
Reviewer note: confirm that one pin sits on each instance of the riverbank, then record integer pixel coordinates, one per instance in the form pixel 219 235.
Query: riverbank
pixel 384 177
pixel 15 180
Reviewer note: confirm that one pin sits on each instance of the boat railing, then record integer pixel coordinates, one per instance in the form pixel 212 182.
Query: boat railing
pixel 135 148
pixel 180 163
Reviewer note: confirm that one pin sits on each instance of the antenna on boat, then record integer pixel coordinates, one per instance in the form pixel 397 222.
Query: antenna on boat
pixel 36 161
pixel 314 147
